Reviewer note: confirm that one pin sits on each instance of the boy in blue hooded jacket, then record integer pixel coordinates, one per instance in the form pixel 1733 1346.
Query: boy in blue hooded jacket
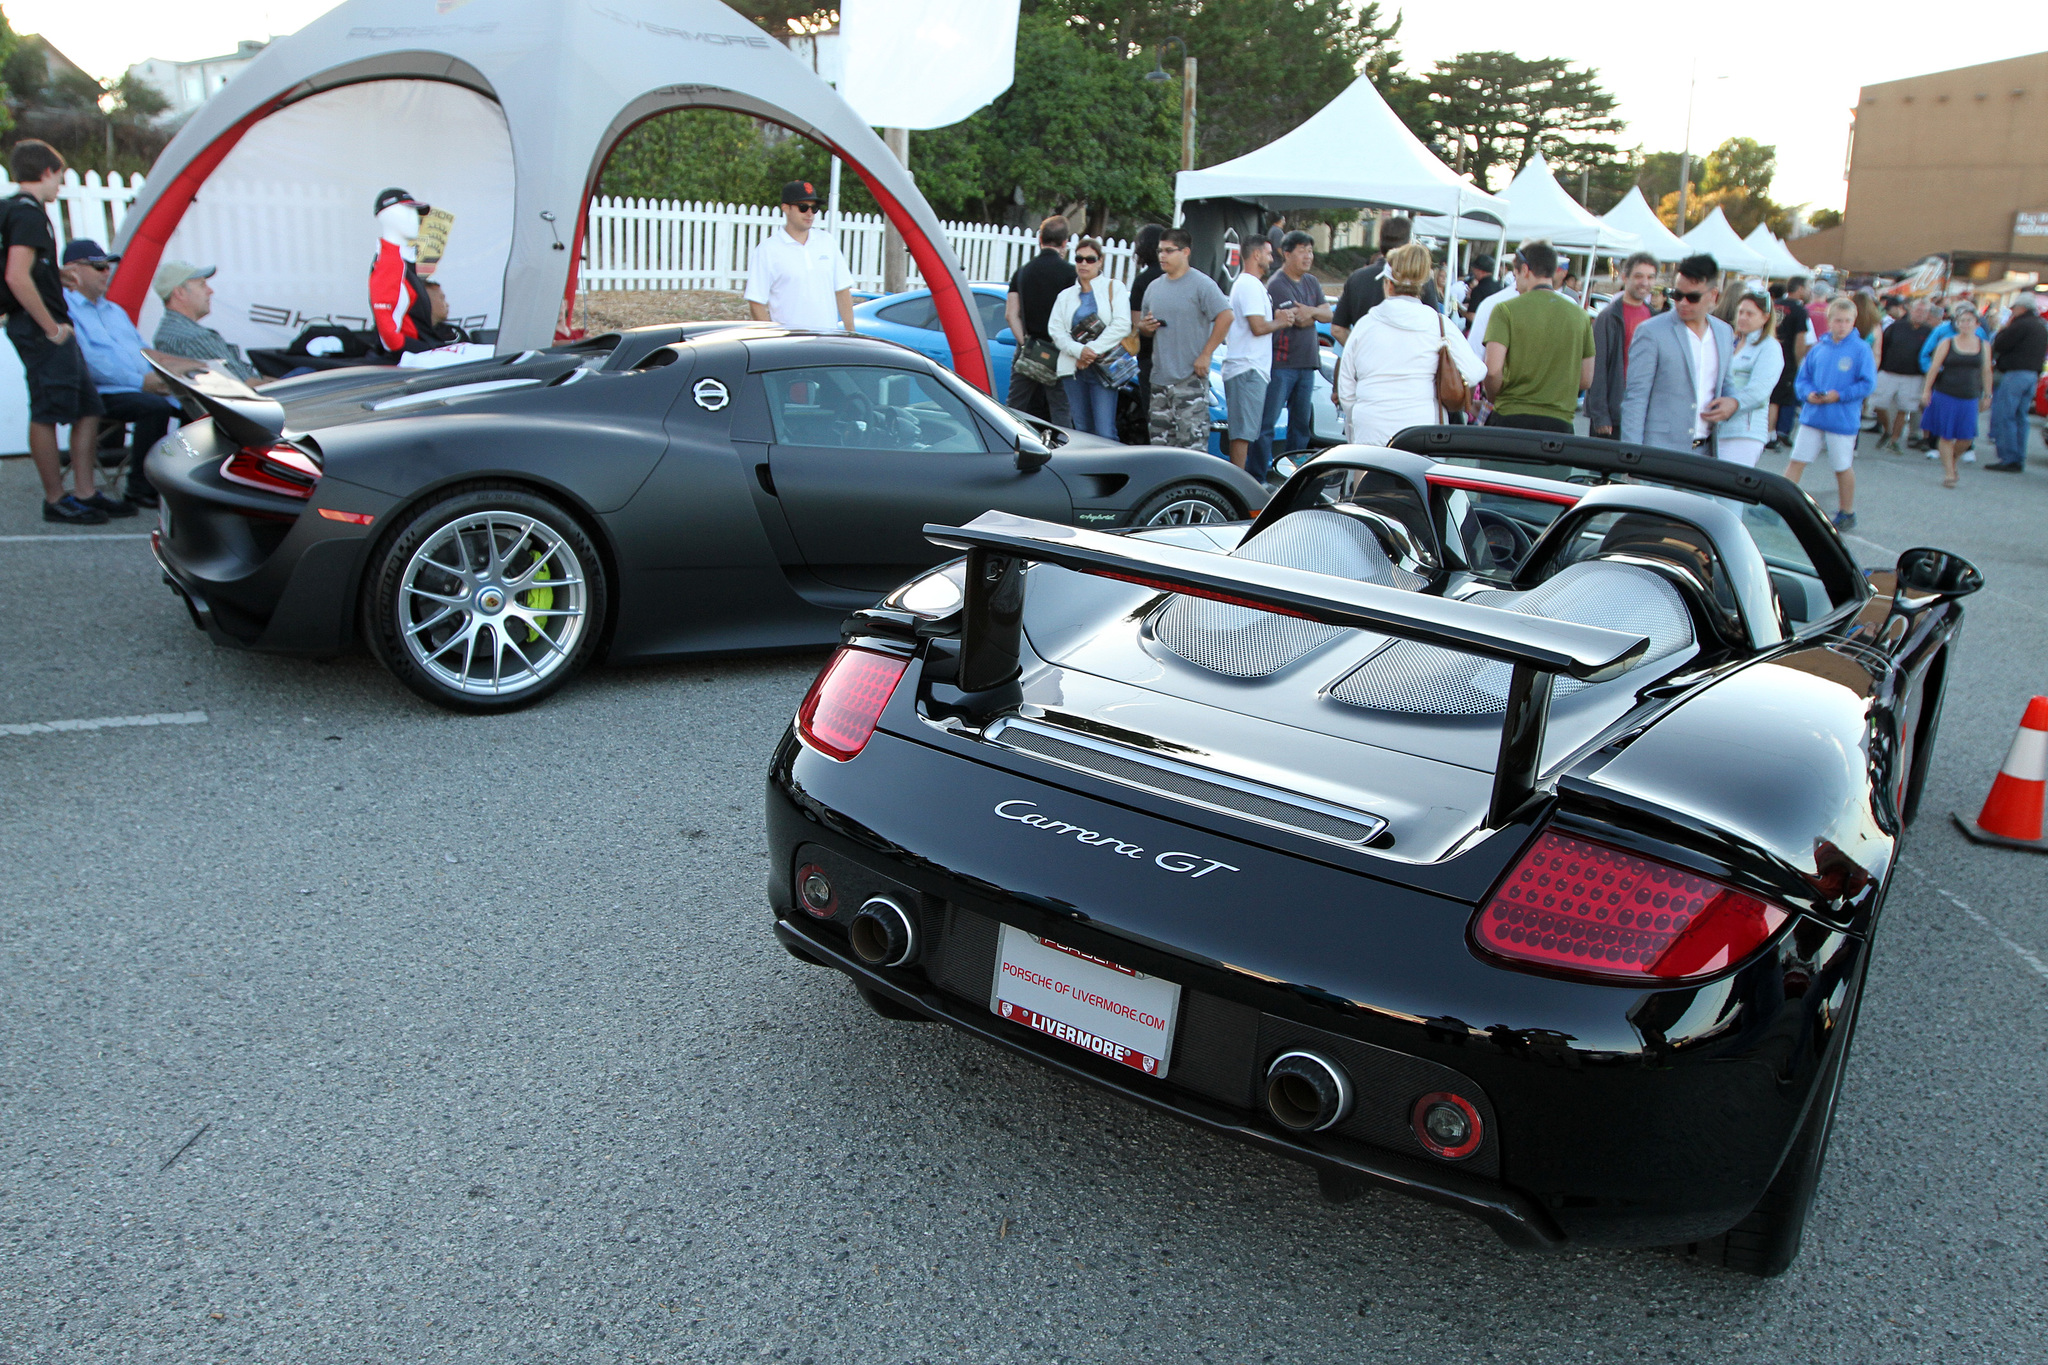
pixel 1834 379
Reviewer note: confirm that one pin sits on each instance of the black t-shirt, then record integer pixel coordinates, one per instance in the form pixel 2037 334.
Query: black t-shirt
pixel 1366 290
pixel 24 222
pixel 1481 292
pixel 1902 343
pixel 1793 323
pixel 1037 285
pixel 1138 287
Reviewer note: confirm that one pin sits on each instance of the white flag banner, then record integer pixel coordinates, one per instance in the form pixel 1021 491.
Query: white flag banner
pixel 925 63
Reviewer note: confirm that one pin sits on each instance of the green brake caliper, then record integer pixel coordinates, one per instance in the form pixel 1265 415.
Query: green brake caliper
pixel 537 599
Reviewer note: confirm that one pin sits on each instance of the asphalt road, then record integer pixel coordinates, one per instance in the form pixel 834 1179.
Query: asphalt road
pixel 335 1028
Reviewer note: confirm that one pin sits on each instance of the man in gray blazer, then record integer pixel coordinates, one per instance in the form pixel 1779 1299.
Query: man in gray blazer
pixel 1678 381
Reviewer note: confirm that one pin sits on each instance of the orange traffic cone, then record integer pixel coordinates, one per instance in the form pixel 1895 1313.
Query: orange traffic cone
pixel 2012 813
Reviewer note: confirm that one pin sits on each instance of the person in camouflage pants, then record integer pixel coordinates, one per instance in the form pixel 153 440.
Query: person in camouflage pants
pixel 1180 413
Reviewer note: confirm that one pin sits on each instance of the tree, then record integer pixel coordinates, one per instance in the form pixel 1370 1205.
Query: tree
pixel 1264 65
pixel 1740 163
pixel 1657 176
pixel 1507 108
pixel 136 100
pixel 1821 219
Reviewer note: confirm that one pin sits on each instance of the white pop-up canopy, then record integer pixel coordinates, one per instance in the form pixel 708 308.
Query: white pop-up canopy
pixel 1634 214
pixel 503 112
pixel 1779 263
pixel 1354 152
pixel 1540 208
pixel 1718 239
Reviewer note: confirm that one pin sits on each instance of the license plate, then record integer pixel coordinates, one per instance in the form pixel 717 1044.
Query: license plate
pixel 1086 1001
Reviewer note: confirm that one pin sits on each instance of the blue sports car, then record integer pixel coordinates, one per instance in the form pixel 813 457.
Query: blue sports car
pixel 910 319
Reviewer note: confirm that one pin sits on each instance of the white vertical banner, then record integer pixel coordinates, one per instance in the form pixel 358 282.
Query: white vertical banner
pixel 925 63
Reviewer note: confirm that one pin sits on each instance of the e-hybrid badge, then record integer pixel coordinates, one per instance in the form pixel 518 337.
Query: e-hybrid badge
pixel 1090 1002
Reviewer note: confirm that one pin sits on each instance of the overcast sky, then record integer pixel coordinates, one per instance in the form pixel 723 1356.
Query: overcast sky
pixel 1791 84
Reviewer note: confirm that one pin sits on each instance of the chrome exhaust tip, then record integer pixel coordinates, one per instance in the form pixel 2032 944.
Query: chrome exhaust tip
pixel 1307 1092
pixel 883 934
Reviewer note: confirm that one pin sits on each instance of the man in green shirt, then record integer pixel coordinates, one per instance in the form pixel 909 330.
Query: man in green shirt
pixel 1539 349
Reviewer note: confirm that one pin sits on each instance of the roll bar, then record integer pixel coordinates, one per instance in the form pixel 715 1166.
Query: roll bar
pixel 1537 649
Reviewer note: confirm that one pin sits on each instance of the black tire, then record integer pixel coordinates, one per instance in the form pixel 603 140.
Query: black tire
pixel 1767 1242
pixel 430 585
pixel 1183 504
pixel 887 1007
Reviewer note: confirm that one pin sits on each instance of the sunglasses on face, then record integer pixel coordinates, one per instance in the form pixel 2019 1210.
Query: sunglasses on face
pixel 1086 260
pixel 1686 295
pixel 805 208
pixel 1165 247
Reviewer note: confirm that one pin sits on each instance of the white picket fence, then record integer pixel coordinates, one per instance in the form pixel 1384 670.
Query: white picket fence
pixel 667 244
pixel 648 243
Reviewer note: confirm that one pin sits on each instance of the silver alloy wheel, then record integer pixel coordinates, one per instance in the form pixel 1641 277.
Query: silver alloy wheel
pixel 492 603
pixel 1187 512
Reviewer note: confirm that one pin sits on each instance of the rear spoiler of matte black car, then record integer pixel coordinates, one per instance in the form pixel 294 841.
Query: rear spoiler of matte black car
pixel 240 413
pixel 1537 649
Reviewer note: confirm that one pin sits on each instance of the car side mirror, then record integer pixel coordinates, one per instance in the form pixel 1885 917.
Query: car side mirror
pixel 1007 337
pixel 1926 576
pixel 1032 453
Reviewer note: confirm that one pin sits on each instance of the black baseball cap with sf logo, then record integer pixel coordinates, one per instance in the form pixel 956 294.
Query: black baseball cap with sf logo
pixel 800 192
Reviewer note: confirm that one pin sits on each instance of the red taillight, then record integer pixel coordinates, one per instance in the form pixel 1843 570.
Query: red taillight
pixel 274 469
pixel 1582 907
pixel 840 711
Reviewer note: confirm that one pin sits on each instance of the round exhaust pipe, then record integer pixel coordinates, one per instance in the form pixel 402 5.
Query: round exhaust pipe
pixel 1307 1092
pixel 883 934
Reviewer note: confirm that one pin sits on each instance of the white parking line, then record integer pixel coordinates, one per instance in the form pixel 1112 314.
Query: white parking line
pixel 2026 955
pixel 54 727
pixel 81 536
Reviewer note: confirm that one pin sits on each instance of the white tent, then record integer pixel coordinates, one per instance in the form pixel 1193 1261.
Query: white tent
pixel 1634 214
pixel 1540 208
pixel 1778 262
pixel 503 112
pixel 1715 237
pixel 1353 152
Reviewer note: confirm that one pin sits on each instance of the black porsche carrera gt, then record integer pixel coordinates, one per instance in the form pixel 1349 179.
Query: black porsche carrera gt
pixel 1503 819
pixel 489 528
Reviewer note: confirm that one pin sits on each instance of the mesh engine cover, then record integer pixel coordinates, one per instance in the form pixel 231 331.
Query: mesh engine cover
pixel 1244 642
pixel 1425 680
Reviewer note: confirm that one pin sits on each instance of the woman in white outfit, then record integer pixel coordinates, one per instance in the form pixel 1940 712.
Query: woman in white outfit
pixel 1107 303
pixel 1387 378
pixel 1752 374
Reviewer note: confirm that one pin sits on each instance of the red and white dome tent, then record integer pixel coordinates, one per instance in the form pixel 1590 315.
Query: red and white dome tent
pixel 502 111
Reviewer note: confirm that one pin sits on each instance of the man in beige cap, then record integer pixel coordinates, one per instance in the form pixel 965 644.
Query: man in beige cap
pixel 187 298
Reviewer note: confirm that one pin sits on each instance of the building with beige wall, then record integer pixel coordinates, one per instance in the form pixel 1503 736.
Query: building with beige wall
pixel 1946 164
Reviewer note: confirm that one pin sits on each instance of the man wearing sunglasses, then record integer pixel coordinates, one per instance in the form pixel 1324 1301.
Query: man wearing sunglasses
pixel 129 390
pixel 1679 367
pixel 797 278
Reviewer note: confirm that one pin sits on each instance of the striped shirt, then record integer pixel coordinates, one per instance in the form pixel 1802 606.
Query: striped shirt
pixel 180 335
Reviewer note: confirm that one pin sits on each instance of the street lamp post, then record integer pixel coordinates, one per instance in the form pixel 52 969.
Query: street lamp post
pixel 1187 98
pixel 1685 156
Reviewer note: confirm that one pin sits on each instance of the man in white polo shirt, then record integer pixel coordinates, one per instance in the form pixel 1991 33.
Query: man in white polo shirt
pixel 798 278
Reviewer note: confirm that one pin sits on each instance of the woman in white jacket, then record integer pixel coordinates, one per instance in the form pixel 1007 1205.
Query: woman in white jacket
pixel 1092 403
pixel 1387 378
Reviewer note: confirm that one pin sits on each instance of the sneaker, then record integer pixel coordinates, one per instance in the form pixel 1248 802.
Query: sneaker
pixel 113 507
pixel 76 513
pixel 141 497
pixel 2001 467
pixel 1969 457
pixel 1933 454
pixel 1845 521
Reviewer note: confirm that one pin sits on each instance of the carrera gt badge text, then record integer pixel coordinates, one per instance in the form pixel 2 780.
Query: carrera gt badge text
pixel 1189 864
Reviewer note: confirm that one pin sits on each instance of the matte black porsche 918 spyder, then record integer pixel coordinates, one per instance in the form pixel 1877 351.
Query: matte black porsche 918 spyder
pixel 1503 819
pixel 489 528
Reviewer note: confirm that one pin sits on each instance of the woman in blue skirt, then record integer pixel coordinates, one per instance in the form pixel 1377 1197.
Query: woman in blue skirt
pixel 1958 385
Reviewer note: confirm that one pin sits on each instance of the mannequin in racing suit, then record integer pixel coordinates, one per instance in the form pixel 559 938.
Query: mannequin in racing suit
pixel 398 297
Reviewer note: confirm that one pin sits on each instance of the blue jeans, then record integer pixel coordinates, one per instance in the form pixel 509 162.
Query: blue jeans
pixel 1091 405
pixel 2010 398
pixel 1296 391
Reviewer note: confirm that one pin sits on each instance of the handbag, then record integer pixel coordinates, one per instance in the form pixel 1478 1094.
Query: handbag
pixel 1453 394
pixel 1037 360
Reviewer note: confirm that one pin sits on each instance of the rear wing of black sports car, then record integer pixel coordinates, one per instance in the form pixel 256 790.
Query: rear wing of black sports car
pixel 242 414
pixel 1537 649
